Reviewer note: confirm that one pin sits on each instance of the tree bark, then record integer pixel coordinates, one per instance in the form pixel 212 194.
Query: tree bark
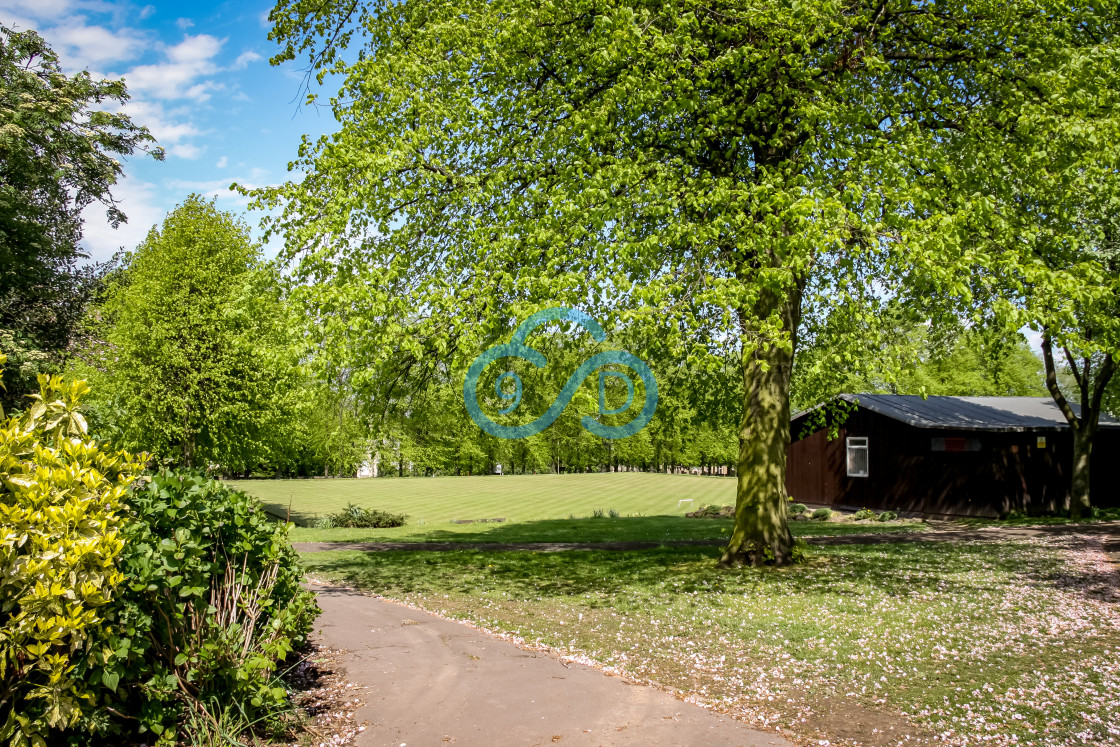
pixel 762 533
pixel 1079 502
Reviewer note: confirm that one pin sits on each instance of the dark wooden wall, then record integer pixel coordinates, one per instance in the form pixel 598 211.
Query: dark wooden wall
pixel 1008 472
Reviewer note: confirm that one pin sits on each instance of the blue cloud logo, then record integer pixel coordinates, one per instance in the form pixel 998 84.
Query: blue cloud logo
pixel 516 348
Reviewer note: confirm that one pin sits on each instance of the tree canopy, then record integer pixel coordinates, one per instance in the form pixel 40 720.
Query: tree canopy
pixel 713 174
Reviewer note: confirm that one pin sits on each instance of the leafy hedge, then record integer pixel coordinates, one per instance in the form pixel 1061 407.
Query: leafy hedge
pixel 131 604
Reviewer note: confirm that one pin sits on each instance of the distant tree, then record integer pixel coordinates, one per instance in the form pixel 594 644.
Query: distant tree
pixel 1112 398
pixel 59 149
pixel 975 362
pixel 198 367
pixel 333 435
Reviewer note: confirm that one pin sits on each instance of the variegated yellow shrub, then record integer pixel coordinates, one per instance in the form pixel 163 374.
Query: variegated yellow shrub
pixel 60 514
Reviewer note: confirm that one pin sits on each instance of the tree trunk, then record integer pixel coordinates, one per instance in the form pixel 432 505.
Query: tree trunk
pixel 1091 386
pixel 762 533
pixel 1079 490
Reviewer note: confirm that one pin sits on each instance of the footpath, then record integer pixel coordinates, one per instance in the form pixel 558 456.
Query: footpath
pixel 429 681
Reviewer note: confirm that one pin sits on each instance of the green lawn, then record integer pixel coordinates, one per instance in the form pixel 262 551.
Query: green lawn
pixel 995 642
pixel 537 508
pixel 514 497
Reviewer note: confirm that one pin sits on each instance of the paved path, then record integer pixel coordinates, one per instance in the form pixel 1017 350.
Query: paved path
pixel 434 682
pixel 1111 529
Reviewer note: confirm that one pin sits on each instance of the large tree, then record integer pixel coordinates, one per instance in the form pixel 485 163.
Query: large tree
pixel 198 365
pixel 59 148
pixel 708 172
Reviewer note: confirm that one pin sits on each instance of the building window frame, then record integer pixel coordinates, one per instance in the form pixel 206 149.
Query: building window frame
pixel 857 456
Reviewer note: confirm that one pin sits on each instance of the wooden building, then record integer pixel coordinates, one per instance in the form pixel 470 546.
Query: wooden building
pixel 963 456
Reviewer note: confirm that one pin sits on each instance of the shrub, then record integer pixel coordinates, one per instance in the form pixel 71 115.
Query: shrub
pixel 888 516
pixel 211 604
pixel 864 514
pixel 822 514
pixel 356 517
pixel 796 509
pixel 597 513
pixel 60 540
pixel 613 514
pixel 712 511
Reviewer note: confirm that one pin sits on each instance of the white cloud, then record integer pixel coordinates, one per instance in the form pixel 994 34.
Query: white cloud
pixel 220 187
pixel 80 46
pixel 222 162
pixel 188 151
pixel 147 11
pixel 45 9
pixel 19 23
pixel 215 188
pixel 139 202
pixel 184 23
pixel 168 127
pixel 244 59
pixel 179 77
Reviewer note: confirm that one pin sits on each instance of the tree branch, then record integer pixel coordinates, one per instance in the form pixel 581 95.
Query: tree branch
pixel 1052 381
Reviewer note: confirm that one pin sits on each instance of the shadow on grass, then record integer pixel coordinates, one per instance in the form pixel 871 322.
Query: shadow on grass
pixel 844 571
pixel 281 512
pixel 624 529
pixel 627 529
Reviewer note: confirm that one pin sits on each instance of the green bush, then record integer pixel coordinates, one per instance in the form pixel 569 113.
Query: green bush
pixel 60 542
pixel 822 514
pixel 864 514
pixel 211 604
pixel 712 511
pixel 613 513
pixel 796 509
pixel 356 517
pixel 128 605
pixel 888 516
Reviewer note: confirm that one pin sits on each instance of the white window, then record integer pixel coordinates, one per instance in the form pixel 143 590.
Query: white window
pixel 857 456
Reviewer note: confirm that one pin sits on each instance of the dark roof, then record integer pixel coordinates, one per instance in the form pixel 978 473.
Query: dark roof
pixel 972 413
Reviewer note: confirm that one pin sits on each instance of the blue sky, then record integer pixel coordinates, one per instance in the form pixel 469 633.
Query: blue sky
pixel 199 79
